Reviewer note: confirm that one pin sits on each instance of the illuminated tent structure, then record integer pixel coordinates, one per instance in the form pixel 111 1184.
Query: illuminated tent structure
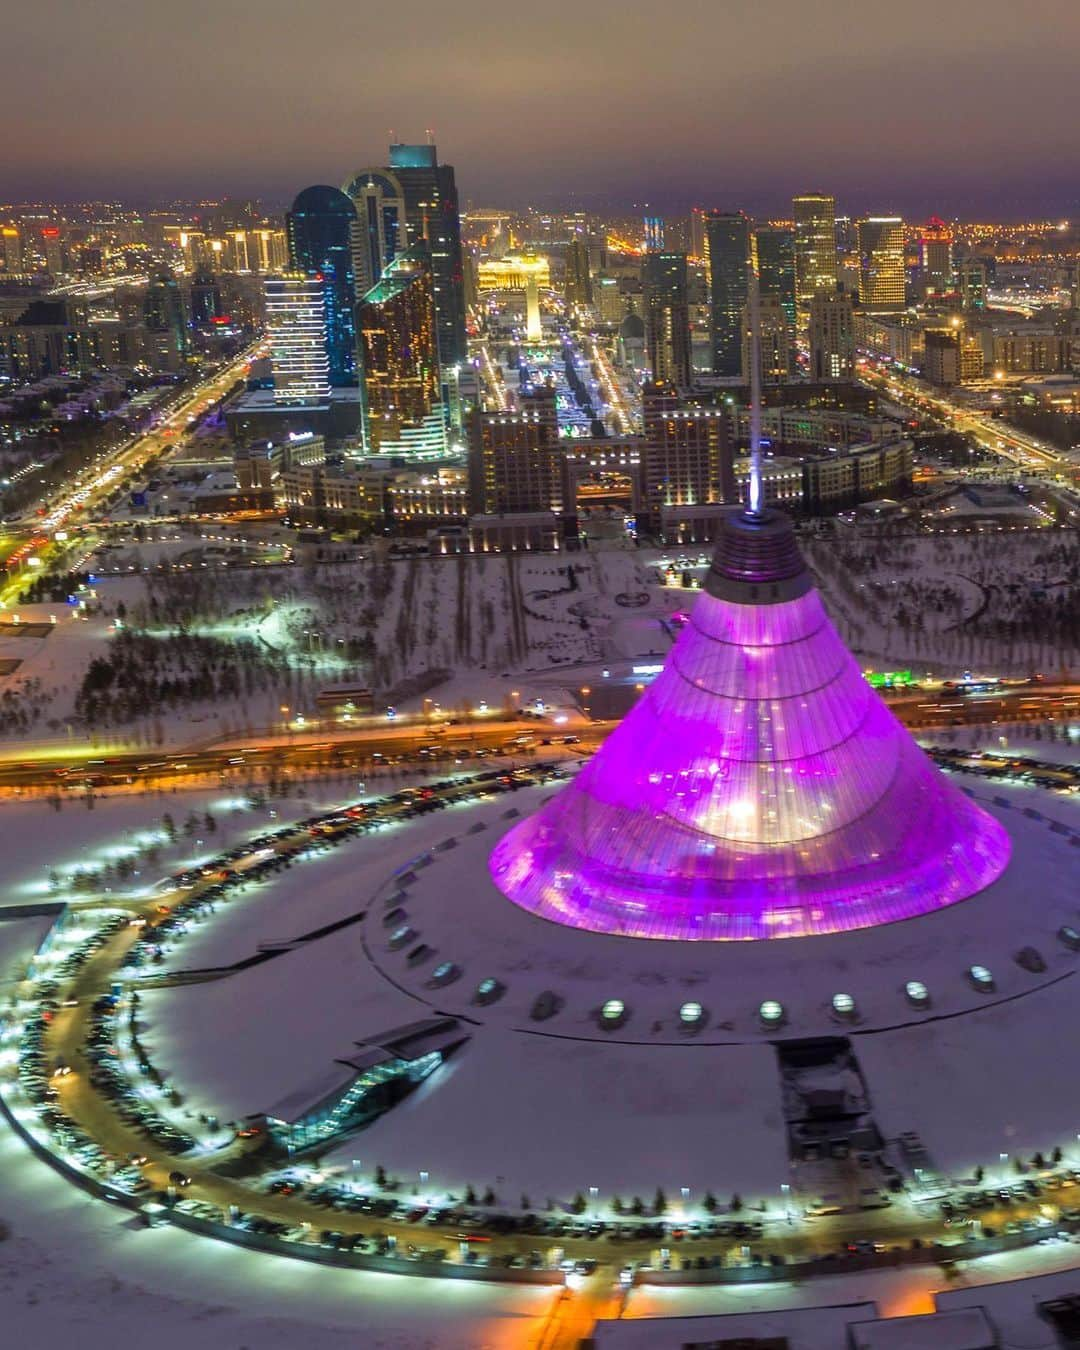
pixel 760 788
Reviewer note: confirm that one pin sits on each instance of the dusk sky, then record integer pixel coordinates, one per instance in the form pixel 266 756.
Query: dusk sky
pixel 949 105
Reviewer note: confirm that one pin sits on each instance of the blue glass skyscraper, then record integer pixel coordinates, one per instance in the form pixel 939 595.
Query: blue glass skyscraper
pixel 320 227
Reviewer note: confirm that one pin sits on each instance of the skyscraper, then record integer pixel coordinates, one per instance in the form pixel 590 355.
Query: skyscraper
pixel 320 229
pixel 935 257
pixel 432 218
pixel 832 338
pixel 774 258
pixel 163 314
pixel 379 200
pixel 775 340
pixel 578 277
pixel 400 357
pixel 205 299
pixel 667 317
pixel 815 248
pixel 882 275
pixel 687 458
pixel 727 234
pixel 296 319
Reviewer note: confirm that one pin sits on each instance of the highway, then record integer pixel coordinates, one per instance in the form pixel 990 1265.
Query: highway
pixel 331 747
pixel 45 524
pixel 991 433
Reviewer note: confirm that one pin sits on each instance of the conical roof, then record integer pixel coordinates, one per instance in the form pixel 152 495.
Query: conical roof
pixel 759 788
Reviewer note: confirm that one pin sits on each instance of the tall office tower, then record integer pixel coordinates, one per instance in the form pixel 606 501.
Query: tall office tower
pixel 432 217
pixel 699 245
pixel 296 319
pixel 882 274
pixel 163 314
pixel 816 269
pixel 687 457
pixel 51 244
pixel 832 338
pixel 973 283
pixel 320 233
pixel 205 299
pixel 379 200
pixel 400 359
pixel 728 236
pixel 935 257
pixel 815 248
pixel 774 258
pixel 11 250
pixel 667 317
pixel 578 277
pixel 515 460
pixel 775 339
pixel 654 234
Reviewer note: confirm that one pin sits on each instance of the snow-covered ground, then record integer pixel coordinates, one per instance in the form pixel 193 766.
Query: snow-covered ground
pixel 76 1271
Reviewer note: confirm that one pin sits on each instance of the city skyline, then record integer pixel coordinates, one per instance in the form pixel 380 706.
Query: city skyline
pixel 531 121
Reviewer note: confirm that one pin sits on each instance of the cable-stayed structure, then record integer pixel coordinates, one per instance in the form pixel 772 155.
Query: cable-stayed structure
pixel 760 787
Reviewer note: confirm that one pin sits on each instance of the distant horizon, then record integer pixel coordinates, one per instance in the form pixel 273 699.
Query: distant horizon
pixel 967 109
pixel 771 206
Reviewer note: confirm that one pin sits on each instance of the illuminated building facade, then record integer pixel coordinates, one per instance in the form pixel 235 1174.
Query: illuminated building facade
pixel 728 235
pixel 759 789
pixel 320 230
pixel 432 217
pixel 775 339
pixel 935 257
pixel 526 272
pixel 815 248
pixel 578 281
pixel 774 259
pixel 379 200
pixel 296 320
pixel 163 314
pixel 687 457
pixel 832 338
pixel 400 358
pixel 667 317
pixel 882 273
pixel 516 463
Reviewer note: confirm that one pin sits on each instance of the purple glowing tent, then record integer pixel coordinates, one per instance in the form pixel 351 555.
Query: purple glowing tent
pixel 760 788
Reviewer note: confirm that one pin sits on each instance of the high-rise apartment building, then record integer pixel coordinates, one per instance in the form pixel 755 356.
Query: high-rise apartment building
pixel 775 341
pixel 516 463
pixel 728 237
pixel 774 258
pixel 882 273
pixel 667 317
pixel 296 320
pixel 687 454
pixel 399 357
pixel 832 338
pixel 432 218
pixel 815 248
pixel 320 230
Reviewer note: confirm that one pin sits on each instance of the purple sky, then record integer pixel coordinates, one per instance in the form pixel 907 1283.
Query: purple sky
pixel 960 106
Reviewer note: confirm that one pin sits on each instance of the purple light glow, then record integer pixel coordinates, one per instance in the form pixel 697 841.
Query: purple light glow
pixel 760 788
